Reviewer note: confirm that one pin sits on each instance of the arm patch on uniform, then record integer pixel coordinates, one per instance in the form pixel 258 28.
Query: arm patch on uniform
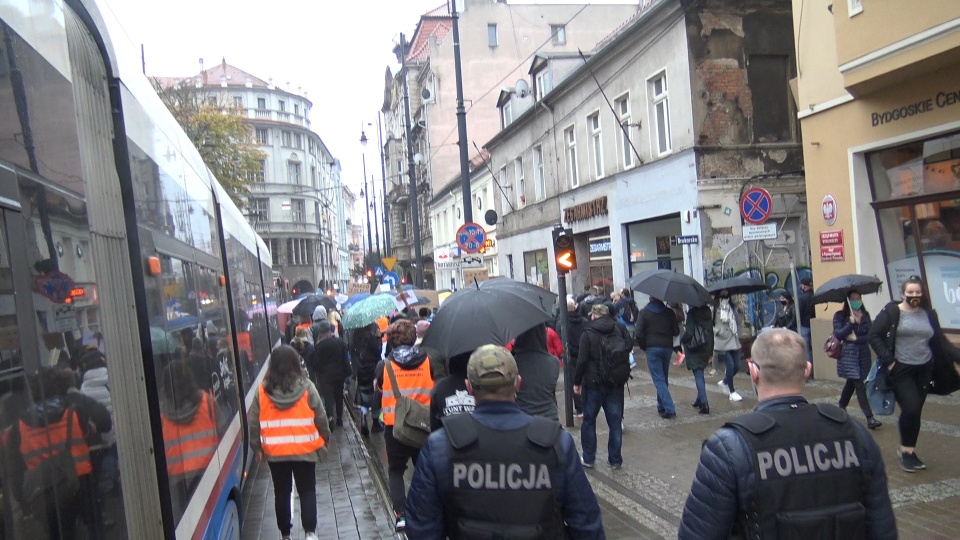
pixel 832 412
pixel 543 432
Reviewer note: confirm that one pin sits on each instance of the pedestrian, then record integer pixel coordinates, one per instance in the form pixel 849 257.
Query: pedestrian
pixel 851 325
pixel 103 445
pixel 422 326
pixel 333 368
pixel 627 310
pixel 726 332
pixel 698 343
pixel 319 314
pixel 786 317
pixel 288 428
pixel 598 394
pixel 656 328
pixel 449 395
pixel 414 377
pixel 790 469
pixel 575 325
pixel 540 369
pixel 365 350
pixel 303 344
pixel 499 472
pixel 901 336
pixel 807 312
pixel 681 316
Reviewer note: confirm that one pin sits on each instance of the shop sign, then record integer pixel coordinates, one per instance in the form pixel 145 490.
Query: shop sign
pixel 828 209
pixel 585 211
pixel 684 240
pixel 831 254
pixel 767 231
pixel 441 255
pixel 600 246
pixel 941 101
pixel 831 238
pixel 65 318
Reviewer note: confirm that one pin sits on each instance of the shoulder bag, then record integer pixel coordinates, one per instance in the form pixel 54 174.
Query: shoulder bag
pixel 411 424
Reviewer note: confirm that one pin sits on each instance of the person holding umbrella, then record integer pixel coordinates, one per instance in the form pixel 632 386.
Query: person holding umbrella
pixel 656 327
pixel 698 342
pixel 851 325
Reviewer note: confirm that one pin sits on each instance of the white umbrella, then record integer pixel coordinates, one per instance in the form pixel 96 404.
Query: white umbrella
pixel 288 306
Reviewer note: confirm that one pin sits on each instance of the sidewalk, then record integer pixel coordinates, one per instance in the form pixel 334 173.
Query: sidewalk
pixel 349 501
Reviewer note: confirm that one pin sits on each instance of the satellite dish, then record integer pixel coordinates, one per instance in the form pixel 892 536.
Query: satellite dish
pixel 425 94
pixel 522 88
pixel 490 217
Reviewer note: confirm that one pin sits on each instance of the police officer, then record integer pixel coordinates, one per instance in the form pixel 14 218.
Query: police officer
pixel 790 469
pixel 499 472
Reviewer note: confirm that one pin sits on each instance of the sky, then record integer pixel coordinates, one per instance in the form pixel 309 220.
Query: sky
pixel 335 50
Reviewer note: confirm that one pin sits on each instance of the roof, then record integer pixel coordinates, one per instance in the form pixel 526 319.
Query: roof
pixel 218 74
pixel 431 24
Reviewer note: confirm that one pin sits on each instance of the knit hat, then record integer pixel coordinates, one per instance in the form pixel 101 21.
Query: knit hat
pixel 491 366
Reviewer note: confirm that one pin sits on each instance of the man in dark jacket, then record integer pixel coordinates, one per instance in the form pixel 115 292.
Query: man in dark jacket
pixel 332 365
pixel 498 436
pixel 449 395
pixel 596 395
pixel 756 474
pixel 807 312
pixel 655 330
pixel 574 330
pixel 627 310
pixel 540 371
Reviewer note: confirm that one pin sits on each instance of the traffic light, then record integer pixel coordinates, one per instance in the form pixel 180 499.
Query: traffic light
pixel 563 250
pixel 369 273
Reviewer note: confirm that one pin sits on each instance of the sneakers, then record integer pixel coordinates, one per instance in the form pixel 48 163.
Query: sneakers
pixel 910 463
pixel 311 536
pixel 401 523
pixel 723 386
pixel 712 372
pixel 735 397
pixel 585 464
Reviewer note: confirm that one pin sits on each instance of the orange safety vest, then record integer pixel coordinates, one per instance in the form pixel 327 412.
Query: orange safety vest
pixel 243 341
pixel 288 432
pixel 190 447
pixel 40 443
pixel 302 325
pixel 415 384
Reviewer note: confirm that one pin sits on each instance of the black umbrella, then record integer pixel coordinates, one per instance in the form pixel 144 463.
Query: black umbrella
pixel 670 287
pixel 836 289
pixel 310 302
pixel 742 284
pixel 491 312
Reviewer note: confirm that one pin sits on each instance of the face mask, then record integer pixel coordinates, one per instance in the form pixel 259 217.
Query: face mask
pixel 724 300
pixel 914 301
pixel 856 305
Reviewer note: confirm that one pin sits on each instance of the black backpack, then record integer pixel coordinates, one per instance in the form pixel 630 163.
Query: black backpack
pixel 613 369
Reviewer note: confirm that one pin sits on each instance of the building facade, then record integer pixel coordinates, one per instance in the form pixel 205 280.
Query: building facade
pixel 646 147
pixel 497 39
pixel 879 100
pixel 296 200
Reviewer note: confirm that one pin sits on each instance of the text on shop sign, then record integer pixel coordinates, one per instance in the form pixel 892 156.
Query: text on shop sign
pixel 940 101
pixel 587 210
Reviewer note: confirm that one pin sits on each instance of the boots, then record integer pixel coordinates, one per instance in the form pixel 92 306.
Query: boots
pixel 704 409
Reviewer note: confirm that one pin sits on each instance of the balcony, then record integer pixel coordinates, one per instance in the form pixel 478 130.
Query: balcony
pixel 277 116
pixel 286 227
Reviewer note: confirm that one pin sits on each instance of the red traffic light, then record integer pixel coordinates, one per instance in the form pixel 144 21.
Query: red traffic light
pixel 369 274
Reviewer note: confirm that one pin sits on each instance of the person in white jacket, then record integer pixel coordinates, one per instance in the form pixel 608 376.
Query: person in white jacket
pixel 103 450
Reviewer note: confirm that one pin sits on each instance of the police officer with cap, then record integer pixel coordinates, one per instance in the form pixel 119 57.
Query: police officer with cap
pixel 499 472
pixel 790 469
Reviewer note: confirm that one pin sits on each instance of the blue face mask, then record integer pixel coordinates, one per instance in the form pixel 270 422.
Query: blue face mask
pixel 856 305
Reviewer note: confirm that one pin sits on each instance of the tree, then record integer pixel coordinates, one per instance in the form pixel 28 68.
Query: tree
pixel 220 134
pixel 358 271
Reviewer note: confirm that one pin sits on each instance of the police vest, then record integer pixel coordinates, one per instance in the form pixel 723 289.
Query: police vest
pixel 415 384
pixel 40 443
pixel 189 447
pixel 810 482
pixel 288 432
pixel 502 482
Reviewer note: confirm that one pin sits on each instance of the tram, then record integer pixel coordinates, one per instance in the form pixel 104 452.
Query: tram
pixel 118 247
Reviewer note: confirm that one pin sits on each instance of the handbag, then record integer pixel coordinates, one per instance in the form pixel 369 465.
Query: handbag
pixel 411 424
pixel 833 347
pixel 945 380
pixel 698 338
pixel 880 390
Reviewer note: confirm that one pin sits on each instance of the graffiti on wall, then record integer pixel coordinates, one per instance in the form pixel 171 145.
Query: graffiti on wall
pixel 760 308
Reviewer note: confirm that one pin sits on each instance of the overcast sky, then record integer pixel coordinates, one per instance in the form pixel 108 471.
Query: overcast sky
pixel 335 50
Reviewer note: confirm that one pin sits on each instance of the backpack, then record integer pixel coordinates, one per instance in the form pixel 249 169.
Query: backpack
pixel 631 313
pixel 613 369
pixel 54 479
pixel 699 337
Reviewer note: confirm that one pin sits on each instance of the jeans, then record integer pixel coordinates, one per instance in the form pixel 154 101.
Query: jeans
pixel 731 362
pixel 284 473
pixel 805 332
pixel 909 382
pixel 611 400
pixel 701 386
pixel 658 361
pixel 398 454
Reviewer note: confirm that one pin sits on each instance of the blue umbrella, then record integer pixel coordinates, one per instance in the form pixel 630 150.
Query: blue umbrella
pixel 354 299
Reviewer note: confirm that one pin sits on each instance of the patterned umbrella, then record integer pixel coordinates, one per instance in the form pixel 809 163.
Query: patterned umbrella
pixel 368 310
pixel 354 299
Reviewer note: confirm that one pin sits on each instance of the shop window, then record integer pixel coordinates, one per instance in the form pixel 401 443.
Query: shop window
pixel 535 268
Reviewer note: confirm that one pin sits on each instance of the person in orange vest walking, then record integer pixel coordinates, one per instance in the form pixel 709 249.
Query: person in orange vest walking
pixel 415 379
pixel 288 427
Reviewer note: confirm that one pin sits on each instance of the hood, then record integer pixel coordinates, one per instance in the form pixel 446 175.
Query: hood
pixel 181 410
pixel 533 340
pixel 408 356
pixel 285 400
pixel 319 314
pixel 701 312
pixel 574 317
pixel 46 412
pixel 96 377
pixel 603 325
pixel 655 307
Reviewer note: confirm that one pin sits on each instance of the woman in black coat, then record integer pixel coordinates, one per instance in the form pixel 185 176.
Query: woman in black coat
pixel 365 348
pixel 851 326
pixel 698 357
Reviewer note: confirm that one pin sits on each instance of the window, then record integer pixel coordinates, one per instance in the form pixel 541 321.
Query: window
pixel 261 103
pixel 293 172
pixel 502 180
pixel 539 181
pixel 297 210
pixel 263 136
pixel 506 114
pixel 542 84
pixel 260 209
pixel 259 175
pixel 282 105
pixel 773 110
pixel 238 102
pixel 298 141
pixel 492 38
pixel 296 109
pixel 596 144
pixel 404 219
pixel 558 34
pixel 286 138
pixel 625 145
pixel 570 137
pixel 521 185
pixel 661 112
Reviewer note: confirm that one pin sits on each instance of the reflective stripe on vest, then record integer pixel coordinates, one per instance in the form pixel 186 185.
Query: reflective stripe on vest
pixel 415 384
pixel 190 447
pixel 288 432
pixel 40 443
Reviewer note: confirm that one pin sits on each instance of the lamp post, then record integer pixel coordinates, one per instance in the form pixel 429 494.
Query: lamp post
pixel 376 222
pixel 386 200
pixel 461 119
pixel 363 142
pixel 323 266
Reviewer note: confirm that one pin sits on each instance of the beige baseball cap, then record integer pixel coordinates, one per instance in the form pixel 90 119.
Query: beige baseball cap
pixel 491 366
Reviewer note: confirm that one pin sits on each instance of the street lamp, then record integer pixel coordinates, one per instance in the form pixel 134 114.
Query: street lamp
pixel 363 142
pixel 385 203
pixel 376 222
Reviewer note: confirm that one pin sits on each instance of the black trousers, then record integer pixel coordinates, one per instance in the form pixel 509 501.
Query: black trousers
pixel 332 392
pixel 398 454
pixel 909 387
pixel 284 473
